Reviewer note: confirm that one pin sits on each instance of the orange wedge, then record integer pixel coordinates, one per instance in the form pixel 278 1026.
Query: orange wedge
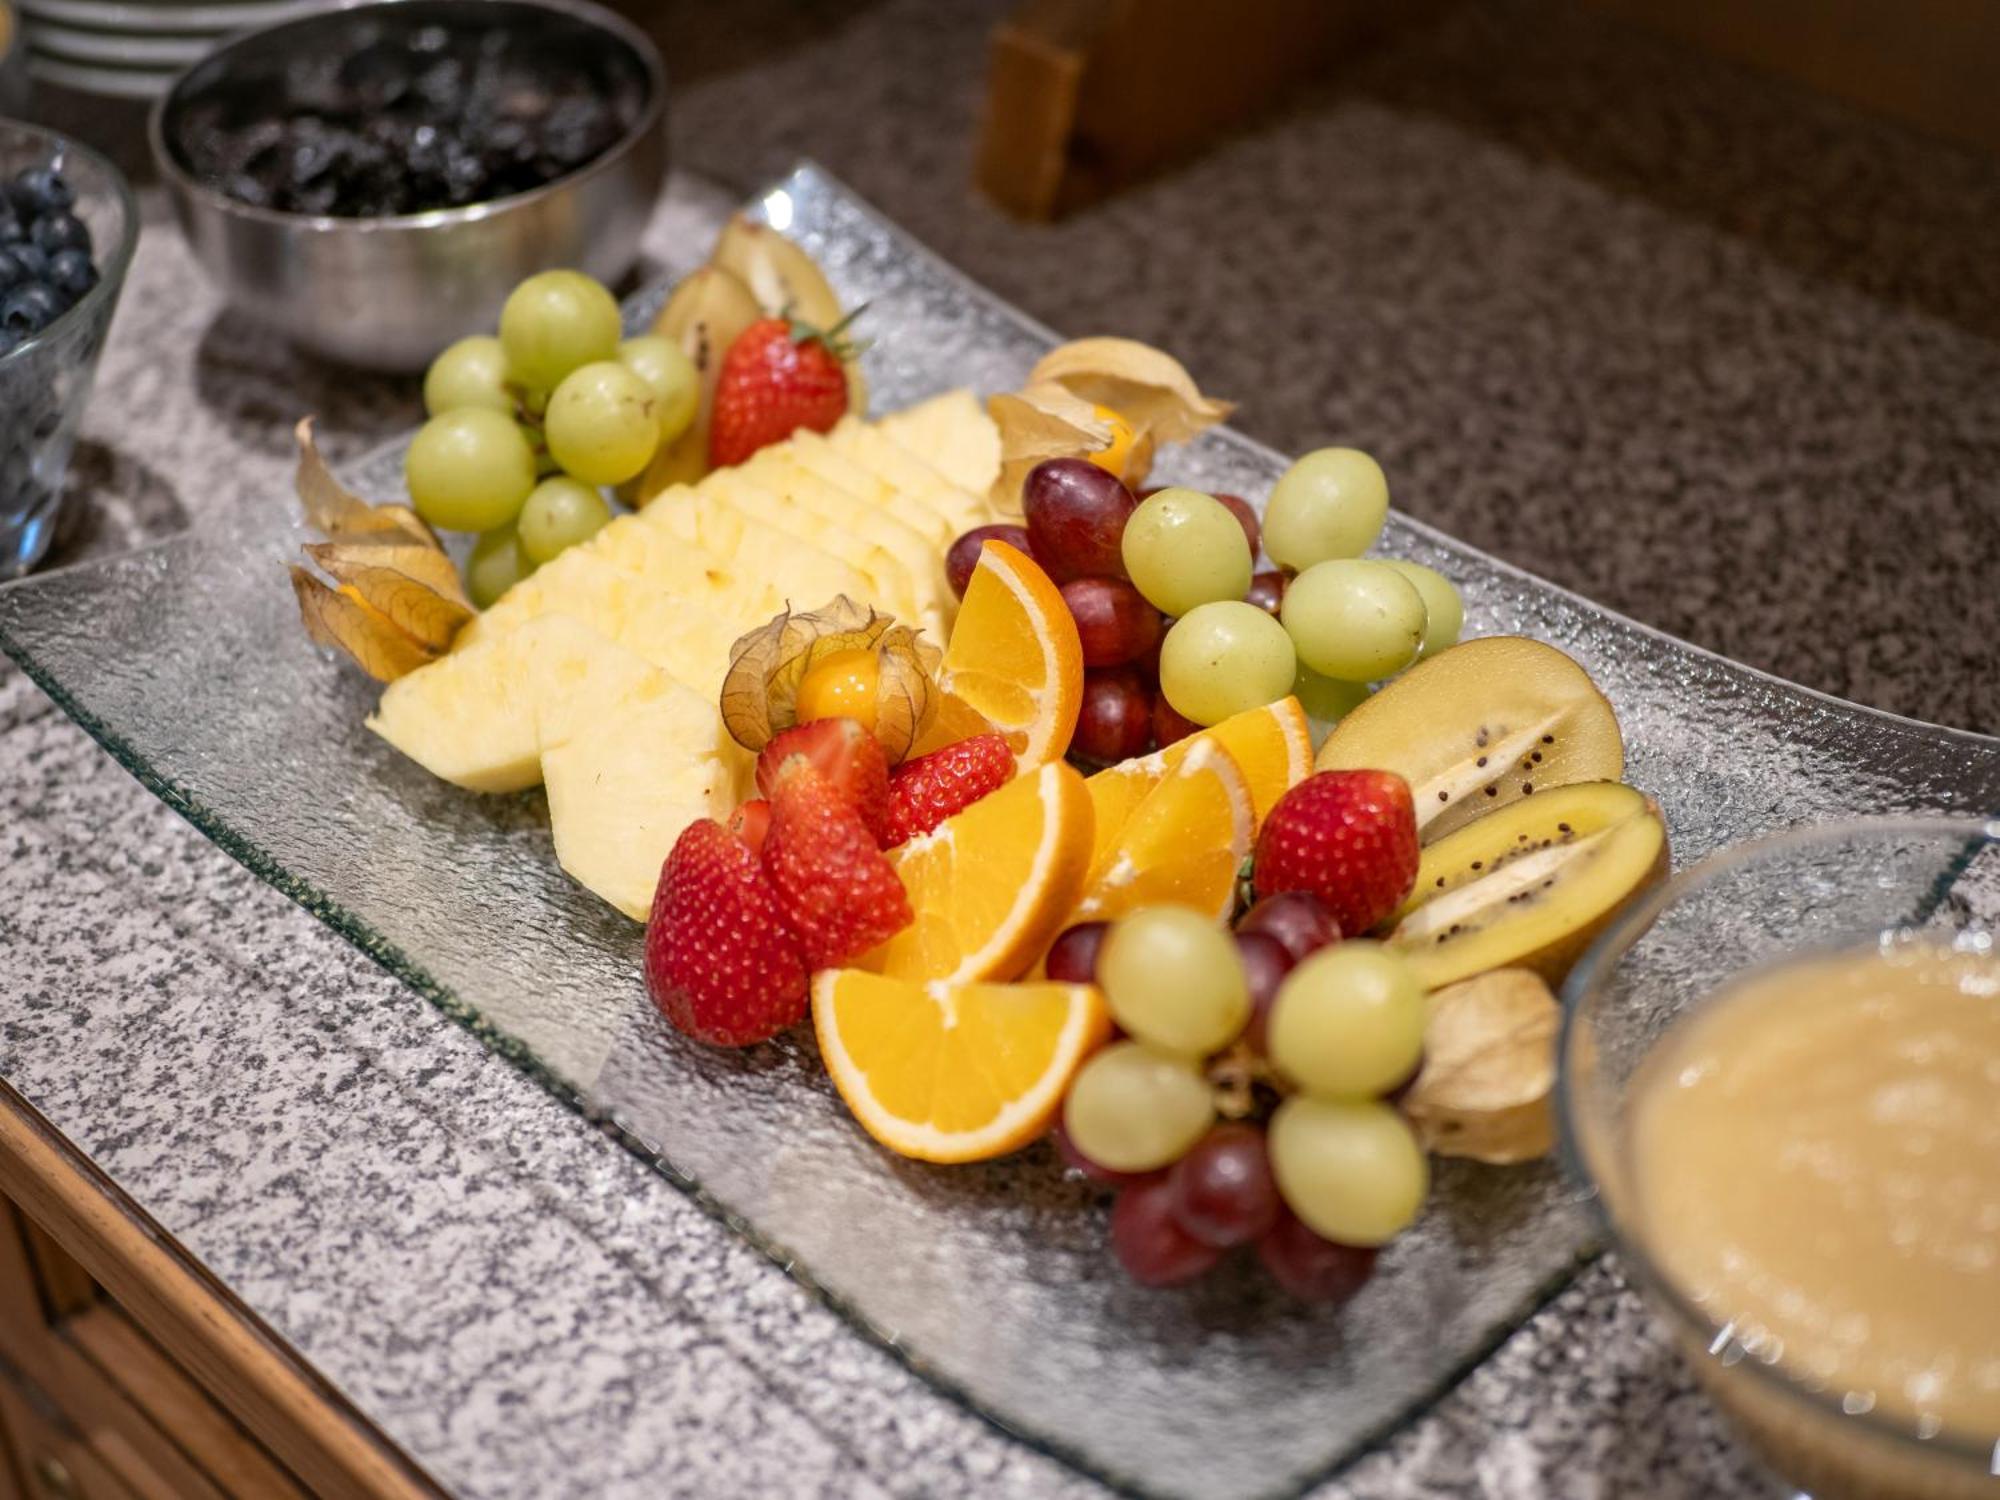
pixel 954 1073
pixel 1272 747
pixel 1014 664
pixel 1182 844
pixel 991 886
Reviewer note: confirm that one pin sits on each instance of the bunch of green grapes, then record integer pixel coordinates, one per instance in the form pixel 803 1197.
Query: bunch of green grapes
pixel 1245 1104
pixel 1322 624
pixel 525 428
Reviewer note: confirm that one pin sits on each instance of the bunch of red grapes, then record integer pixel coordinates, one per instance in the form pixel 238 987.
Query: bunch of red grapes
pixel 1175 1224
pixel 1076 514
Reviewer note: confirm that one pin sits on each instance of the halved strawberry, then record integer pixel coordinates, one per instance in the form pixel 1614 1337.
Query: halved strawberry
pixel 846 754
pixel 836 888
pixel 721 963
pixel 925 791
pixel 750 822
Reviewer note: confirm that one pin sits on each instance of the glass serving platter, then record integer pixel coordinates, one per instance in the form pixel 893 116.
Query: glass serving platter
pixel 992 1281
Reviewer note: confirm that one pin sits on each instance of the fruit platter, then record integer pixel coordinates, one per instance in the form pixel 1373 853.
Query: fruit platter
pixel 1086 894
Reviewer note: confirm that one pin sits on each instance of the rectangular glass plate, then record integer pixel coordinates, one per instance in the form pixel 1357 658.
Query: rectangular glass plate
pixel 186 661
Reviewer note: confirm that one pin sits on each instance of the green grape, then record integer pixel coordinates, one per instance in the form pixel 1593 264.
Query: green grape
pixel 472 372
pixel 1353 1172
pixel 1133 1109
pixel 1348 1023
pixel 469 470
pixel 560 513
pixel 1184 548
pixel 495 566
pixel 1444 611
pixel 670 375
pixel 600 423
pixel 1173 980
pixel 1330 503
pixel 1221 658
pixel 1327 699
pixel 1354 620
pixel 554 323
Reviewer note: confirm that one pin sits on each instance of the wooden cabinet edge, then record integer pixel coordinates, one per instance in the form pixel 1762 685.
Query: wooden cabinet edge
pixel 307 1425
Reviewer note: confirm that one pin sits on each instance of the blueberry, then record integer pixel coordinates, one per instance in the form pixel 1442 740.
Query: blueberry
pixel 71 273
pixel 31 259
pixel 27 310
pixel 41 191
pixel 61 230
pixel 12 227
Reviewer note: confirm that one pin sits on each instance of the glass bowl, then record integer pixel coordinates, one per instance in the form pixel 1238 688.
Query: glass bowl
pixel 1837 886
pixel 45 381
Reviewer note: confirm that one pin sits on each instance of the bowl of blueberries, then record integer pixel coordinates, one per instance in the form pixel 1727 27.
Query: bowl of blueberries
pixel 67 227
pixel 370 182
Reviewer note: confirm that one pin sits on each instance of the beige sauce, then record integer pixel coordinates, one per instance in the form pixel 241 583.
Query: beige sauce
pixel 1816 1161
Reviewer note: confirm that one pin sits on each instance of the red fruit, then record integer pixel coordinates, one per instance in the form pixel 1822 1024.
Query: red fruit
pixel 1223 1191
pixel 1169 725
pixel 721 963
pixel 1076 513
pixel 1116 720
pixel 1310 1268
pixel 1267 592
pixel 1266 962
pixel 1238 507
pixel 846 755
pixel 1150 1243
pixel 779 375
pixel 837 890
pixel 1348 837
pixel 750 822
pixel 1072 957
pixel 1294 918
pixel 1114 622
pixel 963 555
pixel 927 790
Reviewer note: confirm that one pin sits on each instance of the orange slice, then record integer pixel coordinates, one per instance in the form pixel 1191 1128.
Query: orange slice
pixel 1182 844
pixel 1014 664
pixel 954 1073
pixel 1272 747
pixel 991 886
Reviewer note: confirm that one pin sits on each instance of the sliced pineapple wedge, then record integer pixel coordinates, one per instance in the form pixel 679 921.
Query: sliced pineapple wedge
pixel 954 435
pixel 910 475
pixel 800 570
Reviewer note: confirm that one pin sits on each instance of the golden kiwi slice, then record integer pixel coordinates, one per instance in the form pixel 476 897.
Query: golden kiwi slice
pixel 1479 726
pixel 1541 907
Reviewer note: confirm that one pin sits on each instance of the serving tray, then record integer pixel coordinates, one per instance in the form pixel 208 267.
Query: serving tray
pixel 186 662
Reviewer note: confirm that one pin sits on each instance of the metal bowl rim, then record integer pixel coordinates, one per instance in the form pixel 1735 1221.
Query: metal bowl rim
pixel 648 124
pixel 111 271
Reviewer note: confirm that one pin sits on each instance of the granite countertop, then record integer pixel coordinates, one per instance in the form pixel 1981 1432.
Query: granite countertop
pixel 1715 353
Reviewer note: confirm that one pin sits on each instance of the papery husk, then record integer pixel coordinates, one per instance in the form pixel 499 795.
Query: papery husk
pixel 1040 422
pixel 1146 386
pixel 399 602
pixel 761 691
pixel 1489 1068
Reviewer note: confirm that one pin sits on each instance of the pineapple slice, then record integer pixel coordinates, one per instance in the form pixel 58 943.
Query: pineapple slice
pixel 954 435
pixel 896 466
pixel 802 573
pixel 813 453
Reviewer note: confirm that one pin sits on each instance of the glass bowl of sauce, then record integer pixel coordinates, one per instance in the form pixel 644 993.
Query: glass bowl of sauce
pixel 1781 1080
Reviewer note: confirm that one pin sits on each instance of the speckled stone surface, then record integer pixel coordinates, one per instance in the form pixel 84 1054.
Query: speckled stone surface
pixel 1713 353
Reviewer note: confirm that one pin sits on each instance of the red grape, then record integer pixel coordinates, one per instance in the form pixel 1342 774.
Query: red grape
pixel 1116 722
pixel 1294 918
pixel 1067 1150
pixel 1148 661
pixel 1113 619
pixel 1169 725
pixel 1150 1243
pixel 1266 962
pixel 963 556
pixel 1245 517
pixel 1267 591
pixel 1076 515
pixel 1223 1190
pixel 1073 956
pixel 1310 1268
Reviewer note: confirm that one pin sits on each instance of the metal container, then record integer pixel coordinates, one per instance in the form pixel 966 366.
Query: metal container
pixel 389 293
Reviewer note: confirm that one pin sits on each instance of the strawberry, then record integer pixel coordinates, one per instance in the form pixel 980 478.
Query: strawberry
pixel 720 961
pixel 837 889
pixel 750 822
pixel 778 376
pixel 1350 838
pixel 927 790
pixel 846 755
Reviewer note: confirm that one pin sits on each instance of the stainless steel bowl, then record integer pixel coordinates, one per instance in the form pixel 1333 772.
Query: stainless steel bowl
pixel 389 293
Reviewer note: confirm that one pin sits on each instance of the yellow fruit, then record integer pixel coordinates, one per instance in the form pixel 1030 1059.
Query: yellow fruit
pixel 842 687
pixel 1014 665
pixel 954 435
pixel 1113 458
pixel 1182 844
pixel 991 886
pixel 953 1073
